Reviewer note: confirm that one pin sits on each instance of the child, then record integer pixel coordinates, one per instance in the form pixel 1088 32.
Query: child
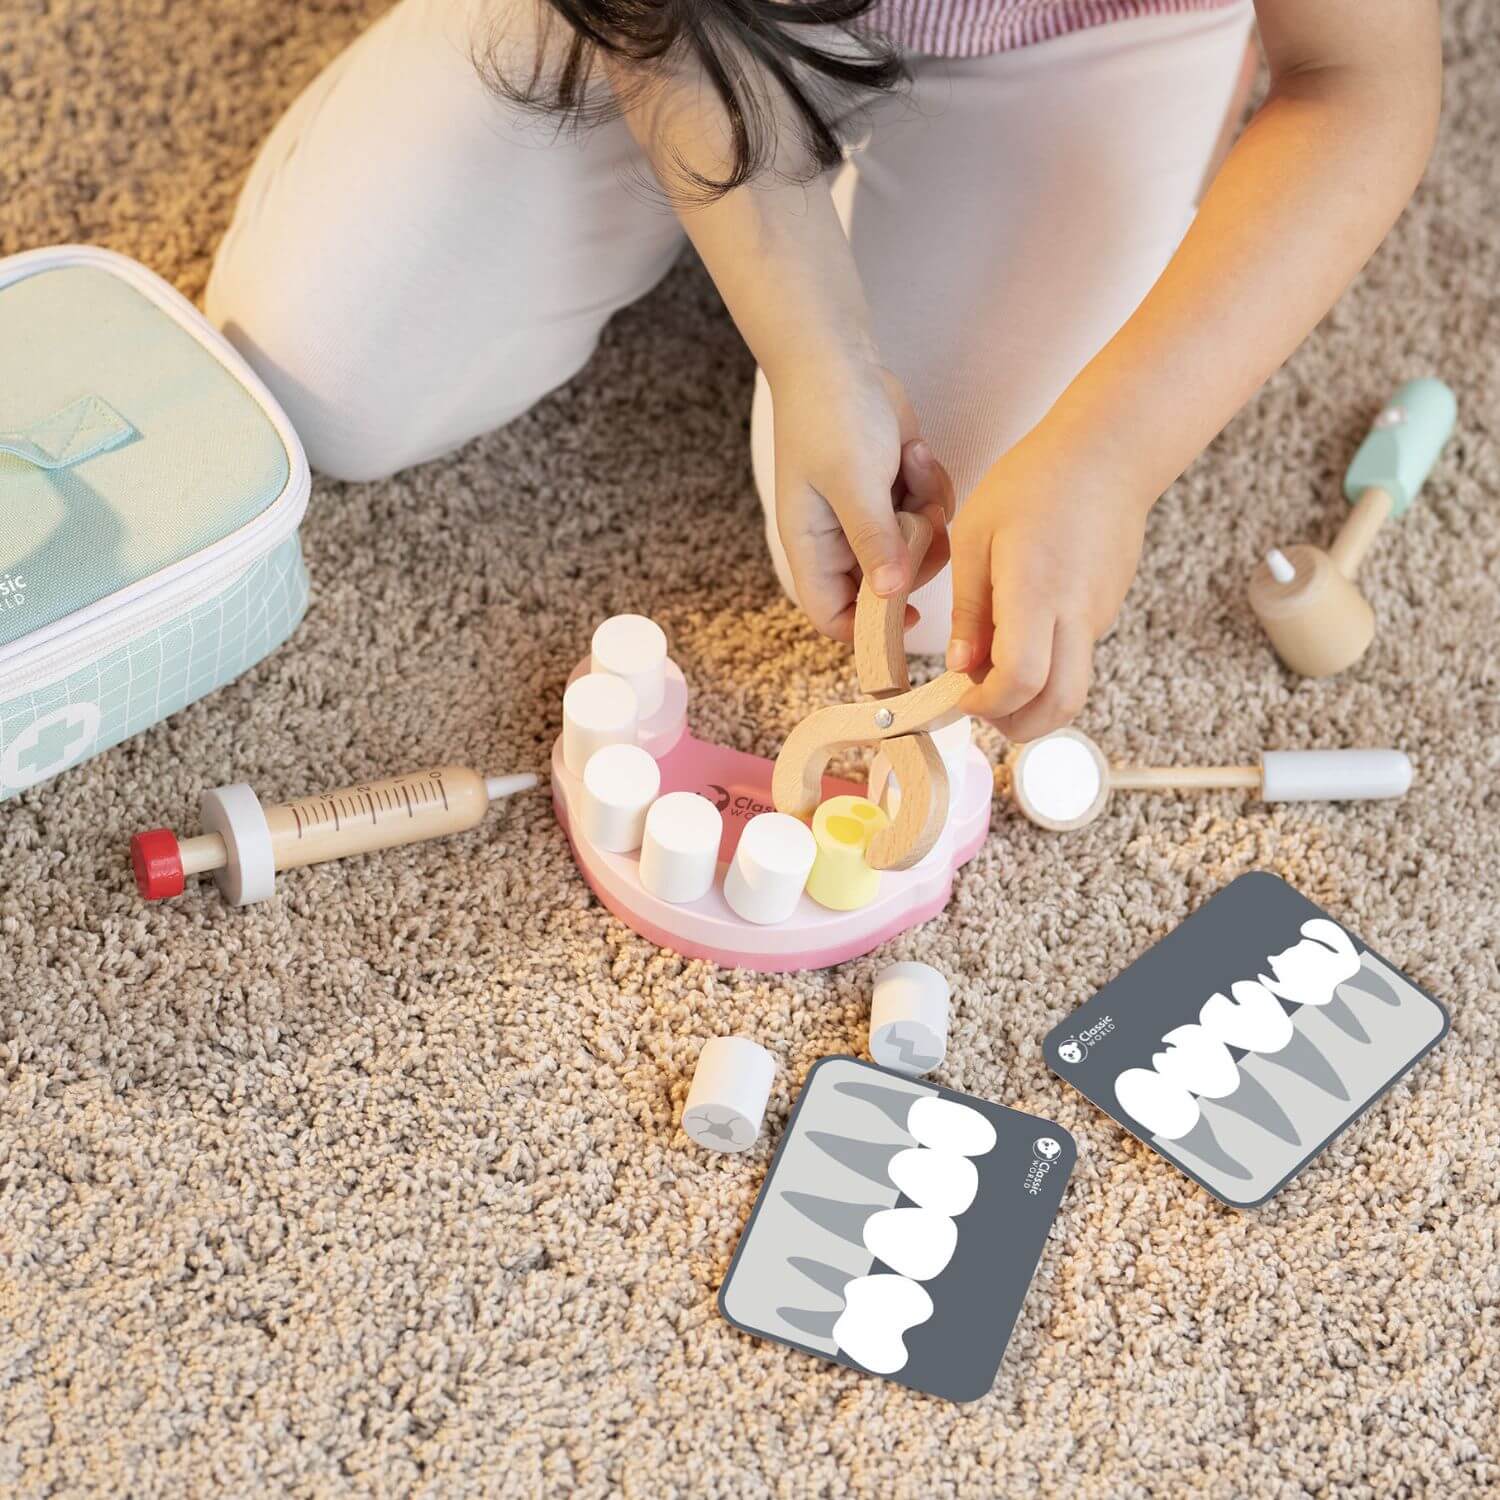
pixel 1003 308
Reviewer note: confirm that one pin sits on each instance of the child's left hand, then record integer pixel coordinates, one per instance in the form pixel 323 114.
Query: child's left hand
pixel 1043 554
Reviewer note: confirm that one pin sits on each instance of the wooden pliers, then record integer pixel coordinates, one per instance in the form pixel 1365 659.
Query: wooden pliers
pixel 897 716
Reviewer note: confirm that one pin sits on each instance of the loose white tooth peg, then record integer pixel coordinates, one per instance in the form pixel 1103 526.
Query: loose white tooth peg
pixel 635 648
pixel 680 850
pixel 764 881
pixel 598 710
pixel 620 783
pixel 909 1019
pixel 727 1101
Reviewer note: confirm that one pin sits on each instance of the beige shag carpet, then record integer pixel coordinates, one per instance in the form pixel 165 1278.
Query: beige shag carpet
pixel 378 1188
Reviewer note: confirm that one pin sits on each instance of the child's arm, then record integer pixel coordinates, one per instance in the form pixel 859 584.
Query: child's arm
pixel 848 449
pixel 1047 545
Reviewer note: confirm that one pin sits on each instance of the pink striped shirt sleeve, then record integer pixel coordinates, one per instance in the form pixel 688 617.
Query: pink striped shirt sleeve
pixel 974 28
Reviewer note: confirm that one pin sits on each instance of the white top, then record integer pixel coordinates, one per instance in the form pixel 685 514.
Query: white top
pixel 684 823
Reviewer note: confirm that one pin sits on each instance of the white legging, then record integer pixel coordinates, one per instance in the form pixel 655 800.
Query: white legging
pixel 413 263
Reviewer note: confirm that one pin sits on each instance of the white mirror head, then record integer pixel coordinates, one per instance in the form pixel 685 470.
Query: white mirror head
pixel 1060 781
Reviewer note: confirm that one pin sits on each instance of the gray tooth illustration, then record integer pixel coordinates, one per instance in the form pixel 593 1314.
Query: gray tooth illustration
pixel 895 1104
pixel 847 1220
pixel 1373 983
pixel 1255 1102
pixel 1337 1010
pixel 830 1278
pixel 1203 1144
pixel 1302 1058
pixel 868 1160
pixel 808 1320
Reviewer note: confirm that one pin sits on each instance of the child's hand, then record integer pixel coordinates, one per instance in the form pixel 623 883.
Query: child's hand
pixel 1043 553
pixel 848 457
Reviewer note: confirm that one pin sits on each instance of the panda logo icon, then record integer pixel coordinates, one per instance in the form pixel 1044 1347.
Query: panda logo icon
pixel 1072 1050
pixel 1047 1148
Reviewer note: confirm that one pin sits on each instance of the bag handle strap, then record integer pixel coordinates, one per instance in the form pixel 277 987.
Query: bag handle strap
pixel 79 431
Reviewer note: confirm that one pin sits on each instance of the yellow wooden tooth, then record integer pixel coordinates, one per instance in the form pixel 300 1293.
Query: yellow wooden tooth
pixel 842 878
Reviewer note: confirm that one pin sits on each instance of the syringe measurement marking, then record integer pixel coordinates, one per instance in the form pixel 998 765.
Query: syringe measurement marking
pixel 312 815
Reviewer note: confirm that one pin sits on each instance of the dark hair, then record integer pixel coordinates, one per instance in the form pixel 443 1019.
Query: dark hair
pixel 745 48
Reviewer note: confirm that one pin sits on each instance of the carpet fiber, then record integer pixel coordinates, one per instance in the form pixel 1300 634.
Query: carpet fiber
pixel 378 1188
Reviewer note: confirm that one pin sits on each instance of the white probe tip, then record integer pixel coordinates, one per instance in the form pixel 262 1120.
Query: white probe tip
pixel 1280 565
pixel 505 786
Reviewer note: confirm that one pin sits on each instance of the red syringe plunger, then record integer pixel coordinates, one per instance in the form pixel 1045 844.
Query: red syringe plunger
pixel 156 858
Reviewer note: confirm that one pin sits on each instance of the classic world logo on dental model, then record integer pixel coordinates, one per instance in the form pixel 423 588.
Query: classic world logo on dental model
pixel 900 1193
pixel 1266 1069
pixel 733 804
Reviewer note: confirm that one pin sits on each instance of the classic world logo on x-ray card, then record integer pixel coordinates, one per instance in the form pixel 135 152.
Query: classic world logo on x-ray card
pixel 898 1228
pixel 1247 1039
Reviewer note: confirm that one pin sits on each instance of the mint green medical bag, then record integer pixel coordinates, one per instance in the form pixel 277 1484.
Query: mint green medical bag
pixel 150 494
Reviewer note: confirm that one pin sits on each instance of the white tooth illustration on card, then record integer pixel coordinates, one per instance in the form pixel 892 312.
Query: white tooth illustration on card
pixel 1196 1059
pixel 1244 1042
pixel 1165 1109
pixel 1309 972
pixel 946 1126
pixel 1253 1020
pixel 877 1312
pixel 913 1242
pixel 943 1181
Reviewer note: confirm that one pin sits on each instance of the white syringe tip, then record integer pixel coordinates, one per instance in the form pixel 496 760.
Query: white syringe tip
pixel 506 786
pixel 1280 565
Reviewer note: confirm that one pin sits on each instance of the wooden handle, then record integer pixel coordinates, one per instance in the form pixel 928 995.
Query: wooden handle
pixel 204 853
pixel 1353 541
pixel 911 834
pixel 797 782
pixel 880 624
pixel 1162 778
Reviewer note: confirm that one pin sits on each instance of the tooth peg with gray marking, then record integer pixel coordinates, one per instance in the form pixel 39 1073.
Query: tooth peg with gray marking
pixel 909 1018
pixel 727 1100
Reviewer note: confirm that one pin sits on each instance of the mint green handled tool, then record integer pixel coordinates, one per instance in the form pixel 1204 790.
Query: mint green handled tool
pixel 1317 619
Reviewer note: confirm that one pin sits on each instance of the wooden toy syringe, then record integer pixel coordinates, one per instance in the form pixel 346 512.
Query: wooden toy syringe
pixel 244 844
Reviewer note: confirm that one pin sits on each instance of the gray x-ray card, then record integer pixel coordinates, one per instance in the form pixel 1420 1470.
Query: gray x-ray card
pixel 1247 1039
pixel 899 1228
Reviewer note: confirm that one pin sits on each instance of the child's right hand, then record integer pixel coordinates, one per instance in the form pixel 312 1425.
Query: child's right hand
pixel 849 455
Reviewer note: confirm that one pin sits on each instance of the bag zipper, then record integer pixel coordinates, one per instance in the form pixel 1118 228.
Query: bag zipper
pixel 34 660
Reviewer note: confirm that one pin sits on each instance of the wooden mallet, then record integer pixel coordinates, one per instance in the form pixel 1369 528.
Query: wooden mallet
pixel 1307 599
